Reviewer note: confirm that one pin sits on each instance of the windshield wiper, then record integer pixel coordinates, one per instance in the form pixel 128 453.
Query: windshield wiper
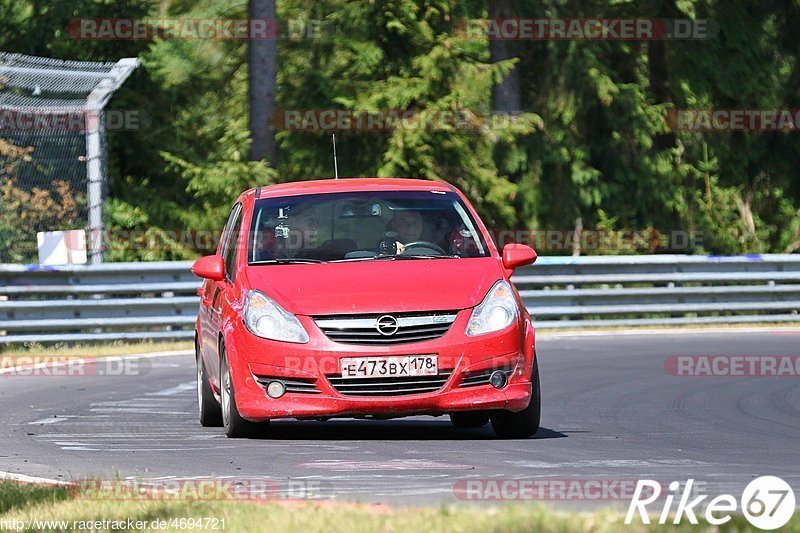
pixel 369 258
pixel 394 258
pixel 285 261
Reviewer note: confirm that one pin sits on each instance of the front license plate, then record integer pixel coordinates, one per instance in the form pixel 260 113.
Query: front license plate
pixel 407 365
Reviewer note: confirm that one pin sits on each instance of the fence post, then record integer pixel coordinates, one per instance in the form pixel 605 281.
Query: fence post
pixel 95 180
pixel 95 103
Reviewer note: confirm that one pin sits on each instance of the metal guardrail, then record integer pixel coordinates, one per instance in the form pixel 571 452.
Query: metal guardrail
pixel 118 301
pixel 111 301
pixel 663 290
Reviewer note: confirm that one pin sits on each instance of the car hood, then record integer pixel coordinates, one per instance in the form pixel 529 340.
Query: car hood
pixel 377 286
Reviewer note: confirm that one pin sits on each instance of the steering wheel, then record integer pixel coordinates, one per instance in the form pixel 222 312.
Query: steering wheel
pixel 426 244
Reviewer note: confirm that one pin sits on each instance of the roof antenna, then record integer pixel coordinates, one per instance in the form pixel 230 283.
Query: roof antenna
pixel 335 164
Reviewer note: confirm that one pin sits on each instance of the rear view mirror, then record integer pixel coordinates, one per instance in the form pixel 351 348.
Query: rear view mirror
pixel 210 267
pixel 517 255
pixel 360 210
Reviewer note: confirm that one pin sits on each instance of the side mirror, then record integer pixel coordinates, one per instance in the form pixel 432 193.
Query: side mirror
pixel 210 267
pixel 517 255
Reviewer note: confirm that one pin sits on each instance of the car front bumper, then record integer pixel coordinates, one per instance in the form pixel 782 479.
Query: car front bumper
pixel 252 358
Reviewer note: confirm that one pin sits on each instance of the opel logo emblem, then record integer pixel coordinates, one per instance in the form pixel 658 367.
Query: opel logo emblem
pixel 387 325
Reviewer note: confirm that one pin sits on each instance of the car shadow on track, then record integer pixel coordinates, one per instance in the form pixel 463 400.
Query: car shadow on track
pixel 385 430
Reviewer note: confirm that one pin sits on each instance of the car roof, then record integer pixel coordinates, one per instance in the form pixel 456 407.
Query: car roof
pixel 349 185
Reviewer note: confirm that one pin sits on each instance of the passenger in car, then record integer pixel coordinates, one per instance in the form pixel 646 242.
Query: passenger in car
pixel 291 234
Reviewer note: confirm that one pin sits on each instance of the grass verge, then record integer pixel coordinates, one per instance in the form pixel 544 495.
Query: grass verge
pixel 32 507
pixel 15 495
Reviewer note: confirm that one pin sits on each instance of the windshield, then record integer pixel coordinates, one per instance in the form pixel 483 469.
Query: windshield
pixel 362 226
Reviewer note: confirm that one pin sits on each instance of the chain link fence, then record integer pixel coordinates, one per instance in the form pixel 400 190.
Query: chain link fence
pixel 52 149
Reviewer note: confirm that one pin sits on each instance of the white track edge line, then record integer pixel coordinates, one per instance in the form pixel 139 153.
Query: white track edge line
pixel 21 478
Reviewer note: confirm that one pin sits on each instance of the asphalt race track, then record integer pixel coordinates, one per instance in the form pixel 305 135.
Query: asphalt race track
pixel 610 411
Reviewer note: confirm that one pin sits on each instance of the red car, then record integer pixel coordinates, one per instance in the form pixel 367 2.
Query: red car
pixel 363 298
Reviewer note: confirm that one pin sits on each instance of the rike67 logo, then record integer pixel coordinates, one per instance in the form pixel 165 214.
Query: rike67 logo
pixel 767 502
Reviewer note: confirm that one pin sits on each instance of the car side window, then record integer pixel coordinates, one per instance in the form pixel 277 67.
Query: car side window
pixel 231 244
pixel 223 238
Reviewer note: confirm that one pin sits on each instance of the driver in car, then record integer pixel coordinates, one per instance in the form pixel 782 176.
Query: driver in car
pixel 407 225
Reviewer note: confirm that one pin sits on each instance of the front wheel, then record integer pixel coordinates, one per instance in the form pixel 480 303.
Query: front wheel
pixel 235 426
pixel 524 424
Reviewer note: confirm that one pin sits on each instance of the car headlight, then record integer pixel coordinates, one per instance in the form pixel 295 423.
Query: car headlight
pixel 497 311
pixel 265 318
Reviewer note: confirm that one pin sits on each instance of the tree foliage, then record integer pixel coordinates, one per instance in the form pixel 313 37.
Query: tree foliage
pixel 590 142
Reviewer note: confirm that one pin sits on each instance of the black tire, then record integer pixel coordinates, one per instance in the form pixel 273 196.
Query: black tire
pixel 208 407
pixel 469 419
pixel 524 424
pixel 235 426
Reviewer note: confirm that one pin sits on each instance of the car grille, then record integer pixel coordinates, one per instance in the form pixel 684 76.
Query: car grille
pixel 481 377
pixel 394 386
pixel 364 329
pixel 295 385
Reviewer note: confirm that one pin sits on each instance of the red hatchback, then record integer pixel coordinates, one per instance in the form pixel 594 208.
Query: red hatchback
pixel 365 298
